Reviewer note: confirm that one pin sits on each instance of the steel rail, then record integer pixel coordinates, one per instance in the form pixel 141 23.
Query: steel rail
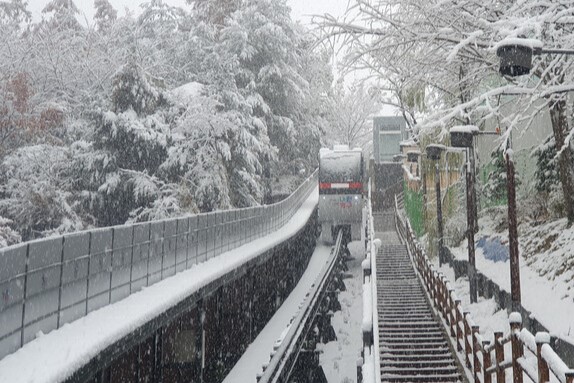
pixel 285 356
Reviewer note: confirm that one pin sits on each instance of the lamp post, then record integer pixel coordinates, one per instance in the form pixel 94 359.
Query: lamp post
pixel 515 60
pixel 513 234
pixel 433 153
pixel 462 137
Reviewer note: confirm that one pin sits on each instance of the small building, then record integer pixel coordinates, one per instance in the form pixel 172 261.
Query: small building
pixel 386 168
pixel 388 132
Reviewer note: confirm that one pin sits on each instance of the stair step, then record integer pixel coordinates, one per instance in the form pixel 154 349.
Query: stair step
pixel 447 370
pixel 418 378
pixel 418 363
pixel 413 344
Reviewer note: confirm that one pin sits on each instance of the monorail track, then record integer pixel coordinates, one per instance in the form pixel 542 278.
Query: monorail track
pixel 413 346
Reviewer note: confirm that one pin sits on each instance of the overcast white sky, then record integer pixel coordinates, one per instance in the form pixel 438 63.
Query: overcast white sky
pixel 300 8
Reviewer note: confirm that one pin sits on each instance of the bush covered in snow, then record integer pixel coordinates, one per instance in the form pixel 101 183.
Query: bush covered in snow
pixel 7 235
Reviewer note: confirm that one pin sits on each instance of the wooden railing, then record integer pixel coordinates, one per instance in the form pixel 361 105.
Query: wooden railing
pixel 519 351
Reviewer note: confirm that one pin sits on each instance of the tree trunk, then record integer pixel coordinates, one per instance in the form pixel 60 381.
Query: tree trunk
pixel 565 166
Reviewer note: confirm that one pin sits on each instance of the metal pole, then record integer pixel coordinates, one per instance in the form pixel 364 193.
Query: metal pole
pixel 513 235
pixel 474 199
pixel 439 215
pixel 471 270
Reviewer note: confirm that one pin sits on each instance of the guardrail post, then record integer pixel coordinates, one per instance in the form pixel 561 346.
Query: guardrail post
pixel 440 292
pixel 450 317
pixel 467 333
pixel 432 282
pixel 543 371
pixel 445 299
pixel 486 363
pixel 517 348
pixel 499 352
pixel 24 296
pixel 59 314
pixel 458 324
pixel 476 367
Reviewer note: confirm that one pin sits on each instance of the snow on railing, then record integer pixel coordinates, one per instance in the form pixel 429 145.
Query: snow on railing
pixel 370 370
pixel 52 281
pixel 484 358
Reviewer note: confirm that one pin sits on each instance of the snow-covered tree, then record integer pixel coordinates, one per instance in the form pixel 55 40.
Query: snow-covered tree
pixel 495 186
pixel 105 15
pixel 268 73
pixel 62 15
pixel 546 171
pixel 8 236
pixel 35 193
pixel 132 152
pixel 353 112
pixel 130 143
pixel 215 12
pixel 13 13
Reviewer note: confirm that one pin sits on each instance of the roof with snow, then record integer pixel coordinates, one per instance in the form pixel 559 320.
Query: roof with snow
pixel 464 129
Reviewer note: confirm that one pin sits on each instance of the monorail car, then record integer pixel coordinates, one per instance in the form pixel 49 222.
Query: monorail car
pixel 340 192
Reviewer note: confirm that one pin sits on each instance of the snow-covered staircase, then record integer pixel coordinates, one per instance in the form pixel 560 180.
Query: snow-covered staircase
pixel 413 345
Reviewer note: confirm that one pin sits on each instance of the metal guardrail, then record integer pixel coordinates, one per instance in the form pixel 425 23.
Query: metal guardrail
pixel 284 358
pixel 52 281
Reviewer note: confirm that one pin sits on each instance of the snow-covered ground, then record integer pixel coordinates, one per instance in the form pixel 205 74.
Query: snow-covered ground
pixel 339 358
pixel 546 276
pixel 55 356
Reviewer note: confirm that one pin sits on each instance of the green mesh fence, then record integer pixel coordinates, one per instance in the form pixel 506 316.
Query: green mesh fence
pixel 414 208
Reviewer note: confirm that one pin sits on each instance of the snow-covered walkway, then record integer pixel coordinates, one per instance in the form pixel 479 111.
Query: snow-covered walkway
pixel 55 356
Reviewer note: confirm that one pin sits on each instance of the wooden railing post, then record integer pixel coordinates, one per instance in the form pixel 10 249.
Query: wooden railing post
pixel 476 367
pixel 543 371
pixel 517 348
pixel 458 324
pixel 452 319
pixel 499 351
pixel 443 295
pixel 438 283
pixel 486 363
pixel 432 286
pixel 467 333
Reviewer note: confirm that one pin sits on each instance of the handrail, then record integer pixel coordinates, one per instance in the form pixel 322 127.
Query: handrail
pixel 284 357
pixel 374 298
pixel 52 281
pixel 477 352
pixel 371 370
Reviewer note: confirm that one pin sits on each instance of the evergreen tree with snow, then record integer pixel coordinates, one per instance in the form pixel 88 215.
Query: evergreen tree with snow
pixel 495 189
pixel 546 173
pixel 215 12
pixel 62 15
pixel 130 143
pixel 105 16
